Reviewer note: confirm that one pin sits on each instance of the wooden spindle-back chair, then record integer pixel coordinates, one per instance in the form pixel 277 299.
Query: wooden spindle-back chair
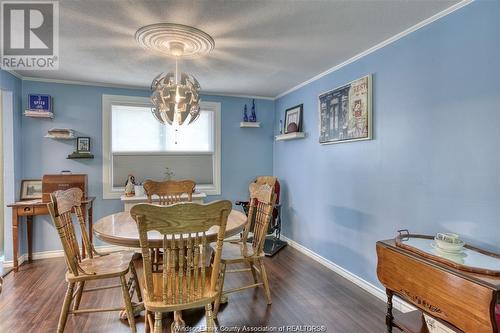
pixel 96 267
pixel 170 191
pixel 273 242
pixel 185 282
pixel 260 213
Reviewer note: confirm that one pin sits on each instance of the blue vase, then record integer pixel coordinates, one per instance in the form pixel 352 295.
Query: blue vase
pixel 253 116
pixel 245 115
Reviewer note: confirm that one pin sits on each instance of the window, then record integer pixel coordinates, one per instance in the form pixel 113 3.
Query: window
pixel 134 142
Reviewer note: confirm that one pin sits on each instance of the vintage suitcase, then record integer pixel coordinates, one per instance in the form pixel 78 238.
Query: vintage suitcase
pixel 52 183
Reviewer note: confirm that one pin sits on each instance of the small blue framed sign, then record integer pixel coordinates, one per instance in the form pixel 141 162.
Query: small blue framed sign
pixel 41 103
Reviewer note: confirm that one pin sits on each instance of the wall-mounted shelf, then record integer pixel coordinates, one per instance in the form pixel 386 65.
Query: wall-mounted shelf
pixel 249 124
pixel 75 156
pixel 61 134
pixel 71 137
pixel 38 114
pixel 290 136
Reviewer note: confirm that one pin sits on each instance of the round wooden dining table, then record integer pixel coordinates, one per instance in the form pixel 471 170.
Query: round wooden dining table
pixel 121 229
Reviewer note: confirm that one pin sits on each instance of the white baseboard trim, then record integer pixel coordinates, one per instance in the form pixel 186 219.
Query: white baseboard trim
pixel 59 253
pixel 363 284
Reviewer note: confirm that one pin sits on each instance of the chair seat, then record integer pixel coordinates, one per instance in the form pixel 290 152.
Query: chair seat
pixel 237 251
pixel 195 299
pixel 112 265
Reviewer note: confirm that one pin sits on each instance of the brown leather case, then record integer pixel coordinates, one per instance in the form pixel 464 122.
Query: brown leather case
pixel 52 183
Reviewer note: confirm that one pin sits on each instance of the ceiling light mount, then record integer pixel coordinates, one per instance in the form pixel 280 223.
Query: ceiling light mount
pixel 175 40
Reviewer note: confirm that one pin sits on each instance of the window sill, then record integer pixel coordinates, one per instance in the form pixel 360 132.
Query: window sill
pixel 206 189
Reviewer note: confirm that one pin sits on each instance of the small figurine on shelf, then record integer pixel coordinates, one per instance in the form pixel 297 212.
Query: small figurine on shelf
pixel 129 186
pixel 281 126
pixel 253 116
pixel 168 173
pixel 245 114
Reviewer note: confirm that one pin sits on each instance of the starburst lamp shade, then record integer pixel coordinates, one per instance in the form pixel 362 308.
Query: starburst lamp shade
pixel 176 99
pixel 175 102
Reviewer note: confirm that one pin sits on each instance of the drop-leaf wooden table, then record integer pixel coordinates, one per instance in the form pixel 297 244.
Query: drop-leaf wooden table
pixel 460 292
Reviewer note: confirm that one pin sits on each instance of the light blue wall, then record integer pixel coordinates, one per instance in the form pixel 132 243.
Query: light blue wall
pixel 434 163
pixel 245 152
pixel 11 132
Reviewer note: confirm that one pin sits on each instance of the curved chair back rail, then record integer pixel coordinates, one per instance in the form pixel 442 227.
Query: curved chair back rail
pixel 170 191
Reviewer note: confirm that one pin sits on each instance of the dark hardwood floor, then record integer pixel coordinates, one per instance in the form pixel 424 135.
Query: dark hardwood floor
pixel 304 293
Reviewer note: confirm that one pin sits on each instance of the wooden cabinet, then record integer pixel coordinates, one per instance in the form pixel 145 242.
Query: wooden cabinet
pixel 465 301
pixel 62 182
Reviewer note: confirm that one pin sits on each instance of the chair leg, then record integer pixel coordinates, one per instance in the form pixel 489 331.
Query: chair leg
pixel 128 304
pixel 78 297
pixel 158 323
pixel 254 273
pixel 209 318
pixel 263 276
pixel 178 325
pixel 136 280
pixel 146 321
pixel 65 308
pixel 221 289
pixel 149 320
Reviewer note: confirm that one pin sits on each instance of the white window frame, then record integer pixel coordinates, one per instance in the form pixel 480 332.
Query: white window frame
pixel 110 192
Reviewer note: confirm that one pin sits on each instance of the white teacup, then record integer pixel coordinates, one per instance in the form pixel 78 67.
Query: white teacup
pixel 449 242
pixel 449 237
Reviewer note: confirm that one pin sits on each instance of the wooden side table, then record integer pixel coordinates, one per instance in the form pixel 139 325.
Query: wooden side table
pixel 459 300
pixel 33 208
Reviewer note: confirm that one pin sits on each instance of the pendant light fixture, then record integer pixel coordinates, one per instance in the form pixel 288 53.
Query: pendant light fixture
pixel 175 95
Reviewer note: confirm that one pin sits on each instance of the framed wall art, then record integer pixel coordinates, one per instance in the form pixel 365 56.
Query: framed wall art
pixel 293 119
pixel 345 113
pixel 83 144
pixel 31 189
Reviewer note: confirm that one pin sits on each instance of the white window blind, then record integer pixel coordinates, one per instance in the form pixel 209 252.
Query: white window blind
pixel 136 143
pixel 134 129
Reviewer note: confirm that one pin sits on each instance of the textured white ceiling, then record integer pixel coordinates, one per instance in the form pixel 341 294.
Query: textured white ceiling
pixel 262 47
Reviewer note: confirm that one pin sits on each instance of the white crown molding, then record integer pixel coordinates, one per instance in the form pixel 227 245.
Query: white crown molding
pixel 386 42
pixel 123 86
pixel 84 83
pixel 237 95
pixel 363 284
pixel 19 76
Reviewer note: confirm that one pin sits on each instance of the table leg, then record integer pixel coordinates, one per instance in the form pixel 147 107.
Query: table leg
pixel 388 316
pixel 29 227
pixel 15 238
